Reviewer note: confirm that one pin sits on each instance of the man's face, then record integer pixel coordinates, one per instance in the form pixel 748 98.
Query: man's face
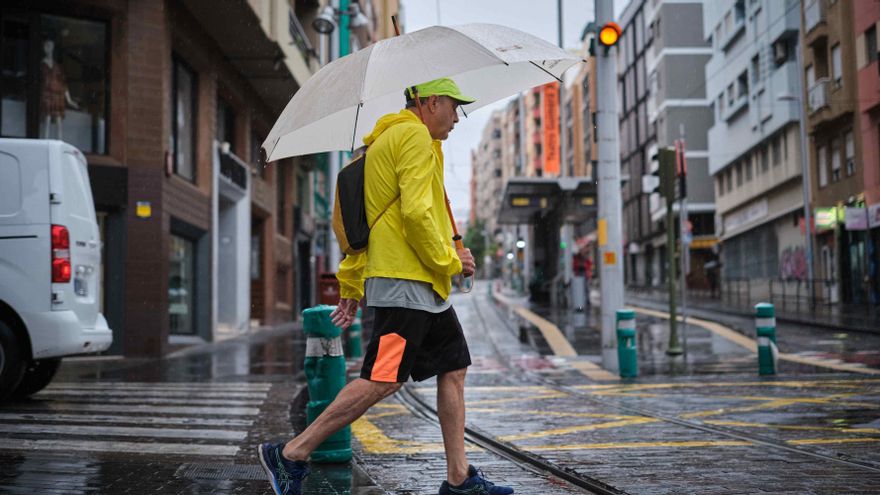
pixel 444 115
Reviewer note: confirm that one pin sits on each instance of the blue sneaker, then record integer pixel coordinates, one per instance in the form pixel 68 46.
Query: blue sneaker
pixel 286 476
pixel 476 484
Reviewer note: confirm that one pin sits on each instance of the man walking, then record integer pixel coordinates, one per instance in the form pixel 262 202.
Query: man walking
pixel 406 274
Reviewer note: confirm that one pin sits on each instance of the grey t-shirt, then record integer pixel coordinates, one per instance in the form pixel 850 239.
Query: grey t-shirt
pixel 400 293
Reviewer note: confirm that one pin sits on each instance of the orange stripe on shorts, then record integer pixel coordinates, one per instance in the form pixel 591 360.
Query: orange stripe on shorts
pixel 388 358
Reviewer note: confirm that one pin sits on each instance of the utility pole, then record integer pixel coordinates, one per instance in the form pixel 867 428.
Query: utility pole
pixel 609 221
pixel 686 234
pixel 666 158
pixel 332 254
pixel 567 228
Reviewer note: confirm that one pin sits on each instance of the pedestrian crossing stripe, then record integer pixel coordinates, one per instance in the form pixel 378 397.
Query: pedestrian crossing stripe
pixel 181 418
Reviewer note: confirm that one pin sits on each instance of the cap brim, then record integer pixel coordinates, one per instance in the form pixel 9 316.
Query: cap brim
pixel 464 100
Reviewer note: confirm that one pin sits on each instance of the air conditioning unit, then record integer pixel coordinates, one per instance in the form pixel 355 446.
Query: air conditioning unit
pixel 780 52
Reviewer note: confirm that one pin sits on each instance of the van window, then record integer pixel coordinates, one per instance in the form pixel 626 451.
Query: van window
pixel 10 186
pixel 77 199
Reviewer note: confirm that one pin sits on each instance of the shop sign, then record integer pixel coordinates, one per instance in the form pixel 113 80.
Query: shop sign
pixel 856 218
pixel 825 218
pixel 874 216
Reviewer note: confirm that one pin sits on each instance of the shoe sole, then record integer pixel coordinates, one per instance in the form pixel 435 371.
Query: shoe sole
pixel 268 471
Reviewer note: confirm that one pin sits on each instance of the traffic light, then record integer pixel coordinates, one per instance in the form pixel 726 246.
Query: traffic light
pixel 665 173
pixel 609 33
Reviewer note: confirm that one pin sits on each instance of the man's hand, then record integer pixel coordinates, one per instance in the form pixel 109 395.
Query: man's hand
pixel 343 315
pixel 468 266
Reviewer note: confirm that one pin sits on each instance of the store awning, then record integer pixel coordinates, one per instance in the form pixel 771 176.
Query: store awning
pixel 528 200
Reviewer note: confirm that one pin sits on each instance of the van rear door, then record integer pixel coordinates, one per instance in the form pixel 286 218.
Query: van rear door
pixel 72 207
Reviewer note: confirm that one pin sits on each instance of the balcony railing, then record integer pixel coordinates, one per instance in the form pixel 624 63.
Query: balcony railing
pixel 818 94
pixel 814 13
pixel 235 170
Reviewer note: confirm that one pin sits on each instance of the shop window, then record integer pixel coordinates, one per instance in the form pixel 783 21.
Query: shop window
pixel 183 119
pixel 181 289
pixel 66 58
pixel 850 154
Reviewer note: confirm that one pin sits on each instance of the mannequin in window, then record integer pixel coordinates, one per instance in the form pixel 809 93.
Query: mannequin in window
pixel 55 95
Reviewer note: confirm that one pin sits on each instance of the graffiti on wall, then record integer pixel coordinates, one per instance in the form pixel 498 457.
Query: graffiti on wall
pixel 793 265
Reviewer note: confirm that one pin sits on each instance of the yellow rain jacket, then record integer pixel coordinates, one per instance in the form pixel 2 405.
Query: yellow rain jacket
pixel 412 240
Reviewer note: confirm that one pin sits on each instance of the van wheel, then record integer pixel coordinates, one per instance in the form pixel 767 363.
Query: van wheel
pixel 11 364
pixel 37 375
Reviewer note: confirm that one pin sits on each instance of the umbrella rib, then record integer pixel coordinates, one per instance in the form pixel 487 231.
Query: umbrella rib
pixel 354 132
pixel 545 70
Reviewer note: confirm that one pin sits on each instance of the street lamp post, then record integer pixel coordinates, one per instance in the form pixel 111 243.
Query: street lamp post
pixel 805 165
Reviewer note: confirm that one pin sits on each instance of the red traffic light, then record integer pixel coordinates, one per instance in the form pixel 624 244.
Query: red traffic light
pixel 609 34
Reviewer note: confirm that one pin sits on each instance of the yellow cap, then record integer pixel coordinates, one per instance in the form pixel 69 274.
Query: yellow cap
pixel 441 87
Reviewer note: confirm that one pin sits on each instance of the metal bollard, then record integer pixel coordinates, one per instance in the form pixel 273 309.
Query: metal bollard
pixel 627 359
pixel 765 325
pixel 353 345
pixel 325 376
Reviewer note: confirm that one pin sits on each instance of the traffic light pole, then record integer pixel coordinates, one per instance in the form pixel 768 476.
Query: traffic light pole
pixel 684 232
pixel 609 222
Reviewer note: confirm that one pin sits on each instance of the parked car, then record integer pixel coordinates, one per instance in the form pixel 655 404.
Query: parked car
pixel 50 263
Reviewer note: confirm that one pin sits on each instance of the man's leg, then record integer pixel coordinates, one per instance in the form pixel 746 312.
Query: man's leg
pixel 450 409
pixel 352 402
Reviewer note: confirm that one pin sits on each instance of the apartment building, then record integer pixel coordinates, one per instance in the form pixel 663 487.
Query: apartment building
pixel 835 151
pixel 755 160
pixel 866 23
pixel 678 109
pixel 637 139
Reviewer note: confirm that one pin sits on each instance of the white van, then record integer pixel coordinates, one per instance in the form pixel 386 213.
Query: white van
pixel 50 262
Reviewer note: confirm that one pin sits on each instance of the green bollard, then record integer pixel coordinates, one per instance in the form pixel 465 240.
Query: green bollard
pixel 626 343
pixel 325 375
pixel 353 348
pixel 765 325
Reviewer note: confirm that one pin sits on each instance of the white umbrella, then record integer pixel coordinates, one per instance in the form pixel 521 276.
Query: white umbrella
pixel 337 106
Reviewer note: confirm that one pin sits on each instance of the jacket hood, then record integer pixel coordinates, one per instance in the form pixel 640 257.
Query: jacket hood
pixel 390 120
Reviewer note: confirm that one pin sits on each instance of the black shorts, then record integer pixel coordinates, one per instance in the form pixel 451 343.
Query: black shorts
pixel 410 342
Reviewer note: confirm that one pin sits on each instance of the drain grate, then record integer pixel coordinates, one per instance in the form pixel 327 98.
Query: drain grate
pixel 220 472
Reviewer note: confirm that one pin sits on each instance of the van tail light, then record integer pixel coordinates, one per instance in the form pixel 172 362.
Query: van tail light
pixel 60 255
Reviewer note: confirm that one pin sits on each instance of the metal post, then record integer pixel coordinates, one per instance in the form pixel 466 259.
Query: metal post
pixel 683 228
pixel 673 349
pixel 609 221
pixel 567 229
pixel 805 162
pixel 340 49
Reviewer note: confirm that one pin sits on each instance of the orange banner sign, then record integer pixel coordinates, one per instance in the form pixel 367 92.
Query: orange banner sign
pixel 551 129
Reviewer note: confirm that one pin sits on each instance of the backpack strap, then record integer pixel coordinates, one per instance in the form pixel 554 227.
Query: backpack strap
pixel 383 211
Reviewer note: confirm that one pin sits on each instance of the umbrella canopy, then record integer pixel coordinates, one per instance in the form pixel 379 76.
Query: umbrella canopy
pixel 337 106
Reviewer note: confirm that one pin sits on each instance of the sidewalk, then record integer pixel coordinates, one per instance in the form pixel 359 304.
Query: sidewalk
pixel 838 316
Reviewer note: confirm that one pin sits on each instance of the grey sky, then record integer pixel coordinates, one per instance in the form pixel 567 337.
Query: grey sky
pixel 536 17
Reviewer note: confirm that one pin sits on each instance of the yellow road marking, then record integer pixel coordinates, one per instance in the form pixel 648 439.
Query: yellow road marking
pixel 820 441
pixel 773 404
pixel 575 429
pixel 551 413
pixel 751 345
pixel 593 371
pixel 767 383
pixel 841 429
pixel 375 441
pixel 555 339
pixel 637 445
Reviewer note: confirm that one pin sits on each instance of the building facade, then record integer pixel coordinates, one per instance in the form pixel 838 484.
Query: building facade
pixel 754 145
pixel 866 23
pixel 169 101
pixel 677 108
pixel 834 146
